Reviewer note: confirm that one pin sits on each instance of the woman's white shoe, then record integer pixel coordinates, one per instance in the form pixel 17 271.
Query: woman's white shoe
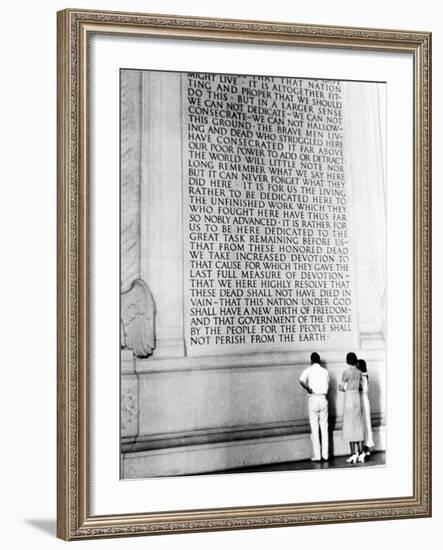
pixel 352 459
pixel 361 457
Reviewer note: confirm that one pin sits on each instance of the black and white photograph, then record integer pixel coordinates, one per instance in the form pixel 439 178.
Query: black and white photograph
pixel 218 320
pixel 253 273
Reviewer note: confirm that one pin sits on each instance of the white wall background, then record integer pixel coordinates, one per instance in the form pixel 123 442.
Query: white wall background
pixel 28 274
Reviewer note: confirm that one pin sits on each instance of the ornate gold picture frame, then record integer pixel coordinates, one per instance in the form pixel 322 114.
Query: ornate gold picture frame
pixel 76 518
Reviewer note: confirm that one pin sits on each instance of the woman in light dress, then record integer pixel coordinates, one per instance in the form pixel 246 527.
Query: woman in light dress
pixel 366 407
pixel 353 431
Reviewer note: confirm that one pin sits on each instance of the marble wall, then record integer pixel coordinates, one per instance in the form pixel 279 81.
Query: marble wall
pixel 184 414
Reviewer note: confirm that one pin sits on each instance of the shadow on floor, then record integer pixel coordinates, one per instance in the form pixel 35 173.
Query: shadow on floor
pixel 376 459
pixel 48 526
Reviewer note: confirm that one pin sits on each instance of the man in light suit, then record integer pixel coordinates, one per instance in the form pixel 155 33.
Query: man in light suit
pixel 315 380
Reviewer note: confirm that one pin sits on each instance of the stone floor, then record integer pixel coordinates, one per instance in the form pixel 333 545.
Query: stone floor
pixel 376 459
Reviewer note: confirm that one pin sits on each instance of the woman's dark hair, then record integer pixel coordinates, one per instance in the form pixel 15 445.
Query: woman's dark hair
pixel 361 364
pixel 351 358
pixel 315 357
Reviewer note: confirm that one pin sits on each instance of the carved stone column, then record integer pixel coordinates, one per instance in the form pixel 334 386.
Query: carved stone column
pixel 130 176
pixel 161 247
pixel 365 144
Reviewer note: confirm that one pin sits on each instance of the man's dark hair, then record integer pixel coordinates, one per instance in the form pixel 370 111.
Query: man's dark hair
pixel 351 358
pixel 315 357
